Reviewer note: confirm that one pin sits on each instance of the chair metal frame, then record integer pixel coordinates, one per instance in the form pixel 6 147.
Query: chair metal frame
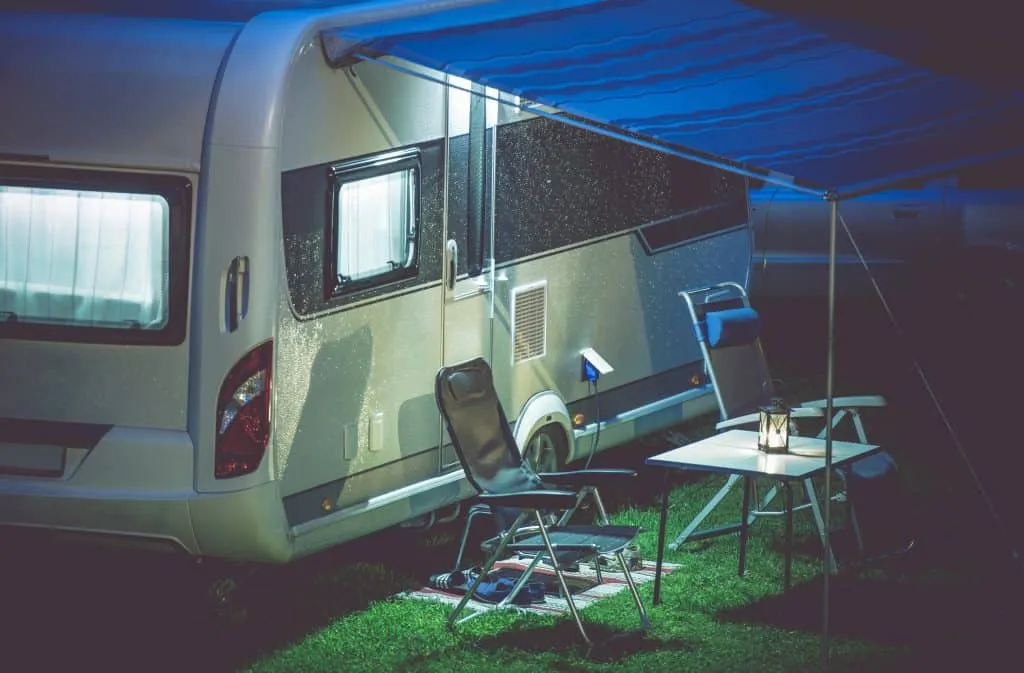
pixel 844 408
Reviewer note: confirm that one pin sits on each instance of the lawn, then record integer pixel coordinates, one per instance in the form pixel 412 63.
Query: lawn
pixel 952 603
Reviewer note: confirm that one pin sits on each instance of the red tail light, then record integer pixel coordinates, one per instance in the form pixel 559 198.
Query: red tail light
pixel 243 414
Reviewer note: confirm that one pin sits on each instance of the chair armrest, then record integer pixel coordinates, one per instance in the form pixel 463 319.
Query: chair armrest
pixel 581 478
pixel 848 402
pixel 734 422
pixel 795 412
pixel 539 499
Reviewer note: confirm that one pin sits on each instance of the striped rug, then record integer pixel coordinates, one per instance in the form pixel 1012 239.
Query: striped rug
pixel 582 584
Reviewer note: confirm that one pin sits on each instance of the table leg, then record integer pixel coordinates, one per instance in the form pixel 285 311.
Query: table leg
pixel 744 525
pixel 691 528
pixel 787 572
pixel 662 524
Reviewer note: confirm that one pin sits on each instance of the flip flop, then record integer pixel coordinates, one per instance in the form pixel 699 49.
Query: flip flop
pixel 497 590
pixel 489 590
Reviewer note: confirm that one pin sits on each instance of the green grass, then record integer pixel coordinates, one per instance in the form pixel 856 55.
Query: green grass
pixel 689 630
pixel 709 619
pixel 914 614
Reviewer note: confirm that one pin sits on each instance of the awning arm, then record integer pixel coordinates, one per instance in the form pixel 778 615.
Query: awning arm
pixel 343 53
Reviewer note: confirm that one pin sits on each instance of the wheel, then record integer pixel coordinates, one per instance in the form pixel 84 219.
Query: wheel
pixel 547 449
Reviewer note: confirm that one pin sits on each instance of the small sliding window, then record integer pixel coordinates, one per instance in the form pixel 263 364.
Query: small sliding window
pixel 373 223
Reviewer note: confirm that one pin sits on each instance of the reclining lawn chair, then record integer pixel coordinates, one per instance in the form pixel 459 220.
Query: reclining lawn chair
pixel 727 329
pixel 487 450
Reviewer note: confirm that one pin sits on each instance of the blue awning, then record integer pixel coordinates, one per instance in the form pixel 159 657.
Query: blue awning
pixel 714 79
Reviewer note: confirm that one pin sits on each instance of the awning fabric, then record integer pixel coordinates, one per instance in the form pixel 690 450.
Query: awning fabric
pixel 714 78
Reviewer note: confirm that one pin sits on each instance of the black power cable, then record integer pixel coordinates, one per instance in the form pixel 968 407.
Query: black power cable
pixel 597 413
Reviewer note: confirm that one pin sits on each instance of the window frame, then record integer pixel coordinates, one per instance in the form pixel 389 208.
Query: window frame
pixel 690 227
pixel 177 191
pixel 365 168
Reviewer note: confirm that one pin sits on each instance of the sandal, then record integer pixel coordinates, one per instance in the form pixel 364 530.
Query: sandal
pixel 453 581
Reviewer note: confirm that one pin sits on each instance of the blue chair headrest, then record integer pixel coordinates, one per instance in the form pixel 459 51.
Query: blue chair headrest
pixel 732 327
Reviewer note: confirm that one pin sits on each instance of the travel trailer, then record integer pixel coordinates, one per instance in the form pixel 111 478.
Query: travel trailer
pixel 230 269
pixel 955 228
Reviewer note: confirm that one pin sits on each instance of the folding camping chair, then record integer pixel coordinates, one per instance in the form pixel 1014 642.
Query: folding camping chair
pixel 728 332
pixel 487 450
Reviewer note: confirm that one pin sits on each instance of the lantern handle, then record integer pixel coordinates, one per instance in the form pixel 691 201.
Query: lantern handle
pixel 775 395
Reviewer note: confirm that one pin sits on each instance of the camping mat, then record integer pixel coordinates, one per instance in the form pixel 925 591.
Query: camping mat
pixel 583 586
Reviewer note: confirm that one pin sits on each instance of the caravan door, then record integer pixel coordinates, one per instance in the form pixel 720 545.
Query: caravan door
pixel 467 278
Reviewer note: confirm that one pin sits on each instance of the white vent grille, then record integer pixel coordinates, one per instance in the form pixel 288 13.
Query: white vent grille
pixel 529 322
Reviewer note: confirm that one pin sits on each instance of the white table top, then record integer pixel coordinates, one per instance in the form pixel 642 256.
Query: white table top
pixel 735 452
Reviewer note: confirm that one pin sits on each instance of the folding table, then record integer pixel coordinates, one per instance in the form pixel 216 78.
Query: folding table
pixel 735 452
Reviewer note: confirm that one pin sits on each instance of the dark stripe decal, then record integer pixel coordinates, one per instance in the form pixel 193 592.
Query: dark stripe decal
pixel 322 500
pixel 615 401
pixel 55 433
pixel 556 187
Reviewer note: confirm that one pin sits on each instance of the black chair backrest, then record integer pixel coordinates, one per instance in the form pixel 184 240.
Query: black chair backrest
pixel 479 429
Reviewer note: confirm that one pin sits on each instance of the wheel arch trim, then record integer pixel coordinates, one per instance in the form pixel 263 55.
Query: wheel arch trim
pixel 544 408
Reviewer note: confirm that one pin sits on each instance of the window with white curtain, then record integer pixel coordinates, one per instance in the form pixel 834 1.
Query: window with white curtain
pixel 84 258
pixel 375 236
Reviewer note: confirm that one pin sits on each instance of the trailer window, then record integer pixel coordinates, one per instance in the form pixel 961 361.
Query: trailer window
pixel 83 263
pixel 374 232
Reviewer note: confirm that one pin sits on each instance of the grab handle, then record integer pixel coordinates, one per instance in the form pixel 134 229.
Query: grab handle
pixel 236 293
pixel 451 253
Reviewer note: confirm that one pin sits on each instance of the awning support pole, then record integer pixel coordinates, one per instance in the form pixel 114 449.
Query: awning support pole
pixel 829 394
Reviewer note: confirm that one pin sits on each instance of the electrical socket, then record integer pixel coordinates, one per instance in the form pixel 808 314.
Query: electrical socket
pixel 593 366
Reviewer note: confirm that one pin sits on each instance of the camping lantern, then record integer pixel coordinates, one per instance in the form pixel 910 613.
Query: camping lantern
pixel 773 430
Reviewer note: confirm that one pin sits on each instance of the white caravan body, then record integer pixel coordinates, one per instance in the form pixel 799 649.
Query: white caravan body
pixel 226 281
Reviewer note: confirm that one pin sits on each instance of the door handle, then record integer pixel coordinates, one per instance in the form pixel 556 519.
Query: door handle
pixel 236 293
pixel 451 251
